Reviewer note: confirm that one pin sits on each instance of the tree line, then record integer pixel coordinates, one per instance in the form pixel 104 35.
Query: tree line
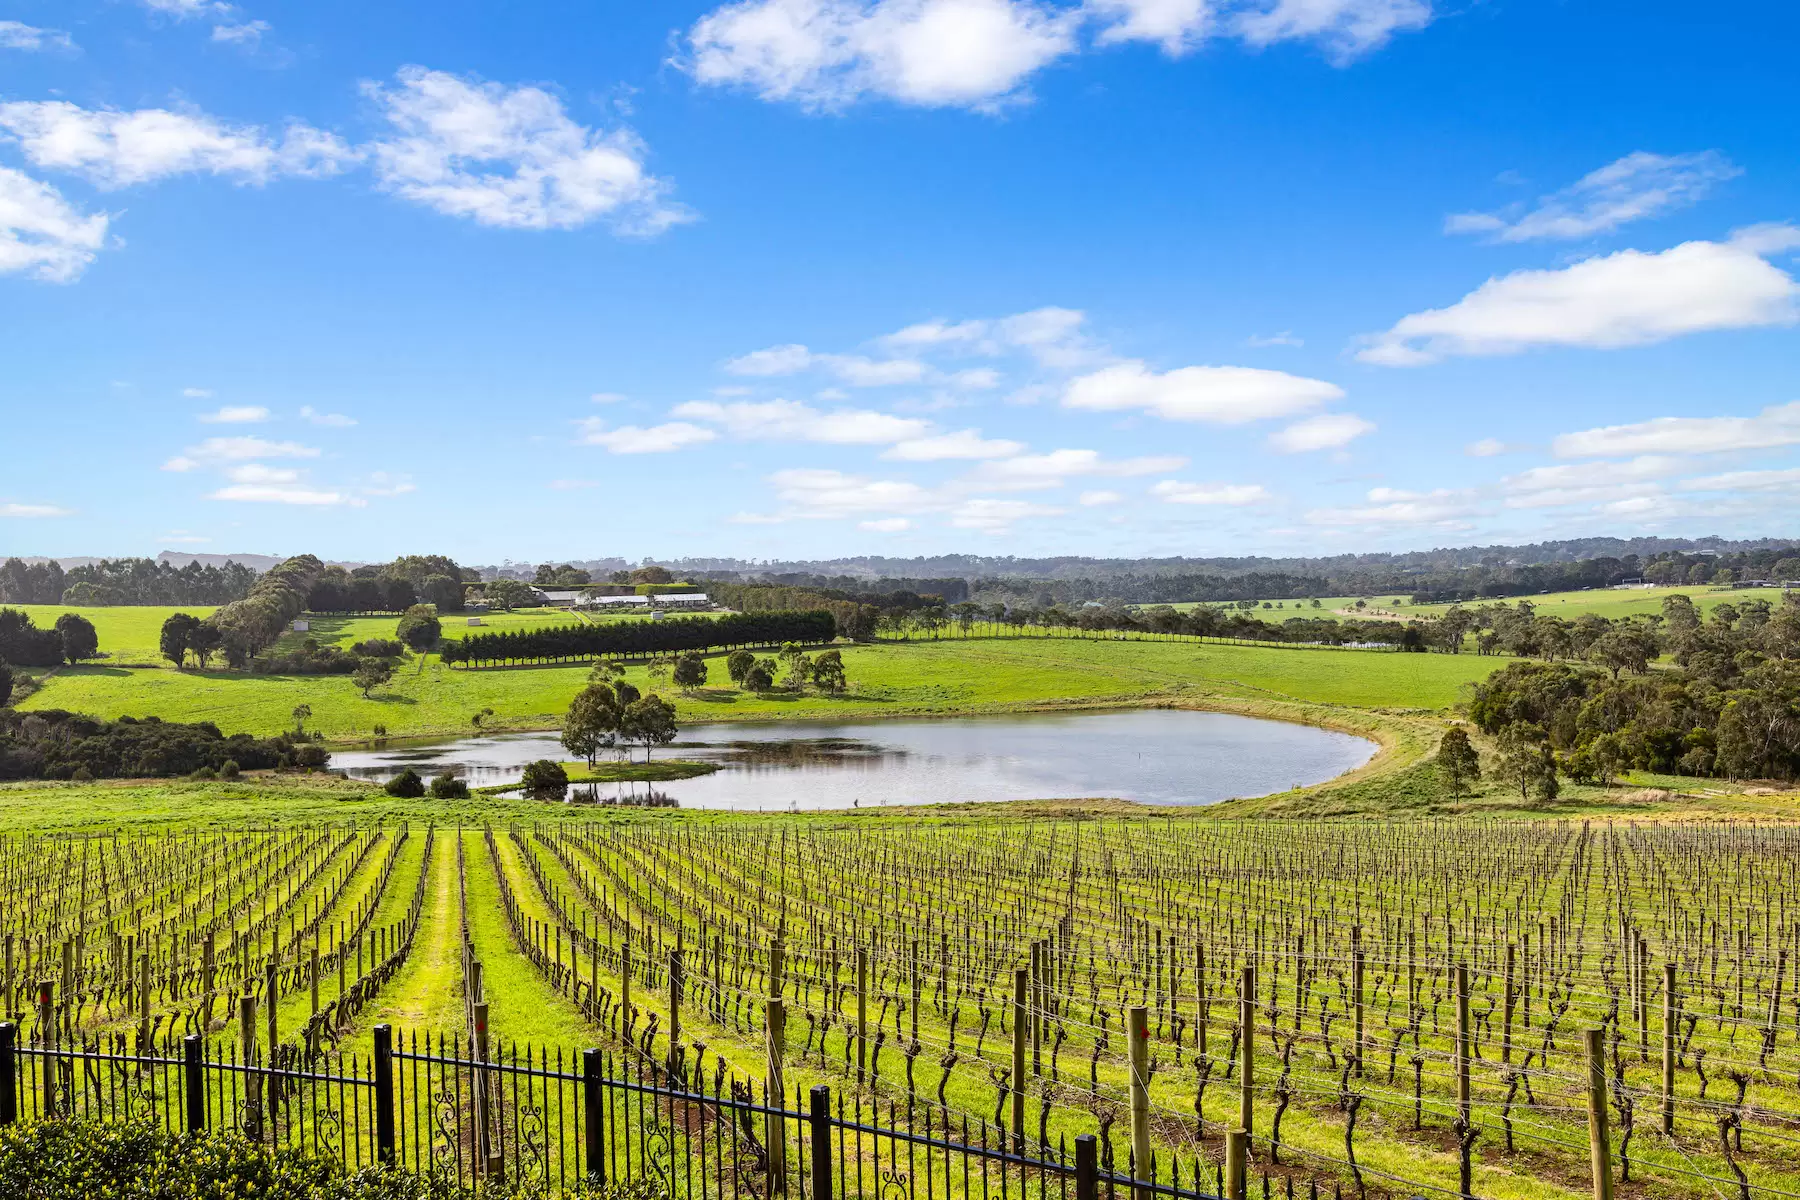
pixel 391 587
pixel 124 581
pixel 53 744
pixel 637 638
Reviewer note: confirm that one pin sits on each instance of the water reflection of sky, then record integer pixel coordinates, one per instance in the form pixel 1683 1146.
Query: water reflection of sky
pixel 1155 756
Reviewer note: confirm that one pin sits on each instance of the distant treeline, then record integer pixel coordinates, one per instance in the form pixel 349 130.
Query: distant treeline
pixel 53 744
pixel 631 638
pixel 391 587
pixel 123 581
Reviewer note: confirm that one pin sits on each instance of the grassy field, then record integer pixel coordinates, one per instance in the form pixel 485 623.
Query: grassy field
pixel 921 678
pixel 128 634
pixel 1616 603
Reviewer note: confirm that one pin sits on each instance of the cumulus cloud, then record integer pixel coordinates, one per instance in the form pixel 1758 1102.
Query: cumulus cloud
pixel 1775 426
pixel 115 149
pixel 886 525
pixel 987 515
pixel 1346 29
pixel 16 35
pixel 306 497
pixel 1396 507
pixel 1635 187
pixel 819 493
pixel 1037 472
pixel 1327 431
pixel 1630 298
pixel 789 420
pixel 963 444
pixel 511 157
pixel 236 414
pixel 853 369
pixel 1178 26
pixel 31 511
pixel 331 420
pixel 1216 395
pixel 1778 480
pixel 42 234
pixel 219 451
pixel 633 439
pixel 1234 495
pixel 1485 448
pixel 1587 483
pixel 1099 498
pixel 246 35
pixel 197 393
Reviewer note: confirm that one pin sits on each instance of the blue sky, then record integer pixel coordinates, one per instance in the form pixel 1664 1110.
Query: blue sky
pixel 797 278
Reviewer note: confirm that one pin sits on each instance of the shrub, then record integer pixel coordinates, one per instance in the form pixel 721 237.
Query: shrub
pixel 204 773
pixel 420 627
pixel 449 787
pixel 229 769
pixel 407 785
pixel 52 744
pixel 545 779
pixel 379 648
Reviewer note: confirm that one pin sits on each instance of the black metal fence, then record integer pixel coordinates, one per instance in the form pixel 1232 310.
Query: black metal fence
pixel 545 1120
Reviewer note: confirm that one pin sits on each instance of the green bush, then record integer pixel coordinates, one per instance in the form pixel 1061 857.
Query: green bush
pixel 90 1160
pixel 545 778
pixel 449 787
pixel 407 785
pixel 229 769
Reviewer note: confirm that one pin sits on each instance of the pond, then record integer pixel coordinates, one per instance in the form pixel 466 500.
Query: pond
pixel 1152 756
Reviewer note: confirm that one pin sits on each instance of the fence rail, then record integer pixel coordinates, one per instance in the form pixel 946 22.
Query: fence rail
pixel 556 1121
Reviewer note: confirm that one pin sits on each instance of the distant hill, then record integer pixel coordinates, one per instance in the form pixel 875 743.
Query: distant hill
pixel 181 558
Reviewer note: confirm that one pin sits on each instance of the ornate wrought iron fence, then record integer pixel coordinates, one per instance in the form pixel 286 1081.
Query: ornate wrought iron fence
pixel 552 1120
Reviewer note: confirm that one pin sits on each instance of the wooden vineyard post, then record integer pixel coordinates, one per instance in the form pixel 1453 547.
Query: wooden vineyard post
pixel 1201 1000
pixel 143 1005
pixel 1464 1111
pixel 485 1158
pixel 1668 1049
pixel 1236 1155
pixel 775 1094
pixel 675 980
pixel 1021 981
pixel 252 1094
pixel 1356 987
pixel 1599 1149
pixel 1246 1050
pixel 1506 1011
pixel 625 983
pixel 1643 998
pixel 47 1039
pixel 777 966
pixel 862 1014
pixel 916 991
pixel 271 997
pixel 1035 1008
pixel 1137 1032
pixel 208 961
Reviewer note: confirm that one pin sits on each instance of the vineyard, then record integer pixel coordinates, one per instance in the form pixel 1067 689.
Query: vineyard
pixel 1390 1009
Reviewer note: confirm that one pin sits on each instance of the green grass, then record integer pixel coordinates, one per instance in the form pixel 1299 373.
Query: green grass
pixel 1616 603
pixel 920 678
pixel 128 634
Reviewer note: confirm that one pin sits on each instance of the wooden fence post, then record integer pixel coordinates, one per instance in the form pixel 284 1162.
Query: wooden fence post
pixel 1668 1049
pixel 1236 1157
pixel 1137 1034
pixel 252 1092
pixel 1600 1151
pixel 1246 1050
pixel 775 1094
pixel 1356 987
pixel 1021 980
pixel 1464 1108
pixel 485 1158
pixel 143 999
pixel 47 1038
pixel 675 982
pixel 862 1014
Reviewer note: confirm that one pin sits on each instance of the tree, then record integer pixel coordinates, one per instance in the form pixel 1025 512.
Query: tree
pixel 481 716
pixel 177 636
pixel 828 672
pixel 449 787
pixel 78 637
pixel 203 642
pixel 301 712
pixel 648 722
pixel 371 673
pixel 420 628
pixel 606 671
pixel 1527 762
pixel 507 594
pixel 690 671
pixel 6 684
pixel 592 722
pixel 798 666
pixel 1457 763
pixel 761 675
pixel 544 780
pixel 738 664
pixel 406 785
pixel 652 575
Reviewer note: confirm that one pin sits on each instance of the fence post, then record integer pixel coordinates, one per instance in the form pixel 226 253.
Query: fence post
pixel 676 975
pixel 1020 981
pixel 1087 1167
pixel 47 1037
pixel 484 1155
pixel 1356 987
pixel 143 998
pixel 1137 1039
pixel 593 1113
pixel 1246 1050
pixel 1465 1120
pixel 1668 1049
pixel 1236 1151
pixel 1600 1152
pixel 252 1092
pixel 384 1094
pixel 775 1094
pixel 193 1083
pixel 862 1014
pixel 9 1072
pixel 819 1118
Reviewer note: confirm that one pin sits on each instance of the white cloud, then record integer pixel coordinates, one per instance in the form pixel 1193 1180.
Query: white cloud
pixel 1347 29
pixel 511 157
pixel 32 511
pixel 1775 426
pixel 1781 480
pixel 774 360
pixel 1218 395
pixel 256 493
pixel 16 35
pixel 853 369
pixel 115 149
pixel 236 414
pixel 818 493
pixel 1326 431
pixel 1587 483
pixel 222 450
pixel 1284 338
pixel 247 35
pixel 1637 186
pixel 1178 26
pixel 383 484
pixel 195 393
pixel 261 473
pixel 607 397
pixel 1485 448
pixel 42 234
pixel 1036 472
pixel 1630 298
pixel 789 420
pixel 886 525
pixel 825 54
pixel 963 444
pixel 632 439
pixel 987 515
pixel 1099 498
pixel 330 420
pixel 183 9
pixel 975 379
pixel 1395 507
pixel 1235 495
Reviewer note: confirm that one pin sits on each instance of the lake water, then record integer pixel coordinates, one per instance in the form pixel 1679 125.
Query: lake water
pixel 1153 756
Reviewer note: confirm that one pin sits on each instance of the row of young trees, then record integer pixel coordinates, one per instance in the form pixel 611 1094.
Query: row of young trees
pixel 637 638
